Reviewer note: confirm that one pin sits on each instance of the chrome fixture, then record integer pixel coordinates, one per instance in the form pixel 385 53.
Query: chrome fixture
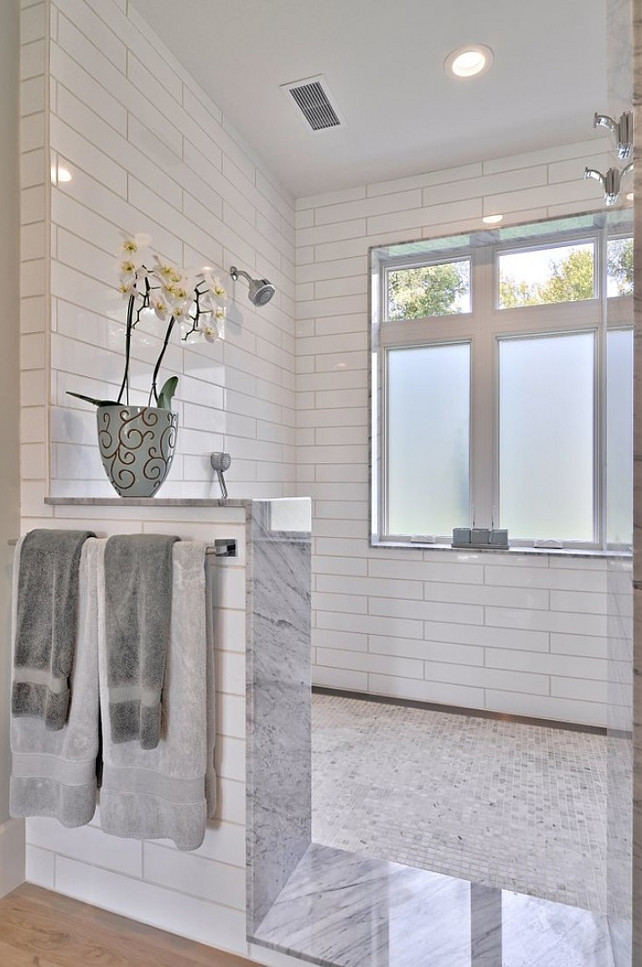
pixel 611 181
pixel 221 462
pixel 622 129
pixel 261 291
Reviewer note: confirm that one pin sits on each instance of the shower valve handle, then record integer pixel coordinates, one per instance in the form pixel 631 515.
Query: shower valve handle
pixel 220 462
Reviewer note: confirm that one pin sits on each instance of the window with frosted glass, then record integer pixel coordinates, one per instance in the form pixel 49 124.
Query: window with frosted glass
pixel 538 277
pixel 442 289
pixel 546 445
pixel 619 444
pixel 428 434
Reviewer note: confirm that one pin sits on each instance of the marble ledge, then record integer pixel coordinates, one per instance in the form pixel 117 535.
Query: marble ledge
pixel 282 518
pixel 148 502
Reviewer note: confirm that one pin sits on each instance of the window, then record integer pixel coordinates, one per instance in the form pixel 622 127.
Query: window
pixel 546 407
pixel 536 277
pixel 429 399
pixel 502 384
pixel 440 289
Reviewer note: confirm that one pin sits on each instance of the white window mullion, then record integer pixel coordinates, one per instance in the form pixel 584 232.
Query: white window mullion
pixel 482 448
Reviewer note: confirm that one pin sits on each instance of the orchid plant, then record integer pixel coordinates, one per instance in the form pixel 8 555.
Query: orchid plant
pixel 195 299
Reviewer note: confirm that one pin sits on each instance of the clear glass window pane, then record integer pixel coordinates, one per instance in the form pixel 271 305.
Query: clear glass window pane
pixel 619 444
pixel 546 386
pixel 565 273
pixel 429 290
pixel 428 439
pixel 619 263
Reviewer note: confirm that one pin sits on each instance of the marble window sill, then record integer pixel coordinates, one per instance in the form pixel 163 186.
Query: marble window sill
pixel 531 551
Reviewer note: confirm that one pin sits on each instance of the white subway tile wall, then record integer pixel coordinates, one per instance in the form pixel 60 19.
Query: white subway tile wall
pixel 34 243
pixel 511 633
pixel 146 150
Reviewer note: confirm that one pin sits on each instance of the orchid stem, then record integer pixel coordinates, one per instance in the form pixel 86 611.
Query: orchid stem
pixel 128 339
pixel 157 367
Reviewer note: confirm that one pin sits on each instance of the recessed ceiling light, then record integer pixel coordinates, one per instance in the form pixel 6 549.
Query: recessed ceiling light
pixel 492 219
pixel 469 61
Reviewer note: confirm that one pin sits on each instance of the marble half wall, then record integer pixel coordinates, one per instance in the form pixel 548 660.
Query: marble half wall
pixel 279 769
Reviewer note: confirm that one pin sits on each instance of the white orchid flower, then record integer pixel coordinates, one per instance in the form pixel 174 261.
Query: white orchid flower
pixel 165 272
pixel 127 288
pixel 215 286
pixel 219 313
pixel 136 248
pixel 160 306
pixel 219 291
pixel 126 269
pixel 179 293
pixel 180 311
pixel 210 333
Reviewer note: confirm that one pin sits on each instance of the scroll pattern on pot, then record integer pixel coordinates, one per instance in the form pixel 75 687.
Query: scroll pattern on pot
pixel 137 445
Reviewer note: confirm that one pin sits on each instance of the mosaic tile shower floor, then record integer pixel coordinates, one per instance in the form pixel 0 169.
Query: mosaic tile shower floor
pixel 520 807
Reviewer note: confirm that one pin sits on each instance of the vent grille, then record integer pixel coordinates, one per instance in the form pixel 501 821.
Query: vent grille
pixel 313 99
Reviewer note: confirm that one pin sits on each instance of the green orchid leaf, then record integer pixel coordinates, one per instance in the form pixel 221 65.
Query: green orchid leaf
pixel 90 399
pixel 167 392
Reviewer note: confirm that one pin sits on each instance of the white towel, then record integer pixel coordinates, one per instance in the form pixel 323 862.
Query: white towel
pixel 167 792
pixel 54 773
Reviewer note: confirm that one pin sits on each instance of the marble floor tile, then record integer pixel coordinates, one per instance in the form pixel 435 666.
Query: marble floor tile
pixel 503 804
pixel 343 910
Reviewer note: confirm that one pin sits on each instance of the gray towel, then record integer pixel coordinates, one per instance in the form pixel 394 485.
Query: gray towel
pixel 138 608
pixel 54 773
pixel 168 792
pixel 47 609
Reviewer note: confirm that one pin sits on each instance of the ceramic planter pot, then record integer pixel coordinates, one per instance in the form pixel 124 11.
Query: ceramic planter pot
pixel 137 446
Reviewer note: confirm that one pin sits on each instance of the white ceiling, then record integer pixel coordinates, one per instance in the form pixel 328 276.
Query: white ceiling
pixel 383 61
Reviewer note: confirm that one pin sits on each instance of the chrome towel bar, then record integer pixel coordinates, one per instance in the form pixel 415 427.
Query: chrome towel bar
pixel 222 546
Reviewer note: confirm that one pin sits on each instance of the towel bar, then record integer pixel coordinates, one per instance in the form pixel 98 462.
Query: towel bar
pixel 222 547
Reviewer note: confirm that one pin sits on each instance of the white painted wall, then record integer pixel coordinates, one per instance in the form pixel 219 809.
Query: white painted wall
pixel 11 833
pixel 513 633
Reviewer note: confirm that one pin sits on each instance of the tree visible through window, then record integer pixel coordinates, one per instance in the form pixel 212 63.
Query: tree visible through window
pixel 620 266
pixel 429 290
pixel 568 278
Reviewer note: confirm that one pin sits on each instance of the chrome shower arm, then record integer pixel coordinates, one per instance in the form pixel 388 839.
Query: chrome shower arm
pixel 234 272
pixel 622 130
pixel 604 121
pixel 610 182
pixel 595 175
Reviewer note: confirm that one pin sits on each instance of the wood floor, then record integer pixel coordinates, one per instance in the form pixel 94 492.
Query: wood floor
pixel 43 929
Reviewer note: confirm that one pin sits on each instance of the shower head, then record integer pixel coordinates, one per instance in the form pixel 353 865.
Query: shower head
pixel 261 291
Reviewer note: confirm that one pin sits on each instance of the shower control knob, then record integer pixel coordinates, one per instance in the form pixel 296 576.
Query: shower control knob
pixel 220 463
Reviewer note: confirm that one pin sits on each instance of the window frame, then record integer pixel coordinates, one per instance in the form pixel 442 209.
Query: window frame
pixel 484 327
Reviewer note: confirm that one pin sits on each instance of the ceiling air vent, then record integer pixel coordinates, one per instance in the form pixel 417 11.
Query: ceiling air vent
pixel 315 103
